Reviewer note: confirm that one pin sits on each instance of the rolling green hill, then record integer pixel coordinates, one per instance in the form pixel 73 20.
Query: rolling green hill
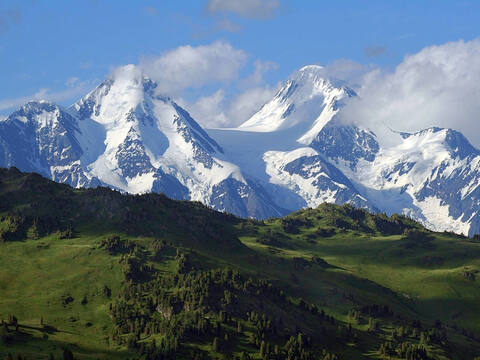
pixel 95 274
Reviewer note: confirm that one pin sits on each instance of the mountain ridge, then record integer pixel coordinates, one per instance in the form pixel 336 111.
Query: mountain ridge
pixel 295 152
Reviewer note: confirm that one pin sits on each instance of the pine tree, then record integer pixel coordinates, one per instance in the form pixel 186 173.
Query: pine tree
pixel 423 338
pixel 276 350
pixel 372 324
pixel 300 340
pixel 245 356
pixel 223 316
pixel 263 349
pixel 67 354
pixel 12 319
pixel 216 344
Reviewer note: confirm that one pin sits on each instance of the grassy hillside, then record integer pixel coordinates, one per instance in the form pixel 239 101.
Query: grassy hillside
pixel 100 275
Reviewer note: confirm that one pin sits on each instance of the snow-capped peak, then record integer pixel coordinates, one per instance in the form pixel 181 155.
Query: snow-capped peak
pixel 454 142
pixel 306 102
pixel 38 106
pixel 126 135
pixel 311 68
pixel 115 97
pixel 41 113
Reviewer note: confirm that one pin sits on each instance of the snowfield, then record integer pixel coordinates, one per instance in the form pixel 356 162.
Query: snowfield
pixel 294 152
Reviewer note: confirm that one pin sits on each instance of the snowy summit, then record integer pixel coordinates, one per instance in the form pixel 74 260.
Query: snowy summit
pixel 294 152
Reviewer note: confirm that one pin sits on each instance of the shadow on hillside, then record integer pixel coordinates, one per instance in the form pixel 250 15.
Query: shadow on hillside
pixel 35 342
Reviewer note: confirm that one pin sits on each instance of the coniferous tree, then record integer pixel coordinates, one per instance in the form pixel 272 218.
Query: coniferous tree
pixel 216 344
pixel 67 354
pixel 263 349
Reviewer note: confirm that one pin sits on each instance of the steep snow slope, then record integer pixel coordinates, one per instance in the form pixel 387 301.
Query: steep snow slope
pixel 305 110
pixel 148 141
pixel 304 104
pixel 294 152
pixel 125 135
pixel 433 175
pixel 308 174
pixel 293 136
pixel 40 137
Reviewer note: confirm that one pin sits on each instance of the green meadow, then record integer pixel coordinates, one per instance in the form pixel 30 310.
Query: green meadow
pixel 95 274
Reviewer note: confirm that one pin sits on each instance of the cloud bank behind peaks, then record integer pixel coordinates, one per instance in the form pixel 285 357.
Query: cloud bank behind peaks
pixel 438 86
pixel 193 67
pixel 205 67
pixel 218 110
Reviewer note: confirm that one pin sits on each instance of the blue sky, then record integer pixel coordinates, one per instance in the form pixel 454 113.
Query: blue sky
pixel 60 49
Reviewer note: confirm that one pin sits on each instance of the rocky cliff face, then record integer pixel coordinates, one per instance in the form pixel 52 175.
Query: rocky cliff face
pixel 294 152
pixel 125 135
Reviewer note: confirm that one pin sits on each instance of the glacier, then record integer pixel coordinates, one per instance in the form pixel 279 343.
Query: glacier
pixel 294 152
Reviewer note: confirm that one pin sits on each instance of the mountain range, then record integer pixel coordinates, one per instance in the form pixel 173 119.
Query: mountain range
pixel 295 152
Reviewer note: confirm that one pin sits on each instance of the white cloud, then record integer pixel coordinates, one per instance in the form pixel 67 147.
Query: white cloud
pixel 85 65
pixel 193 67
pixel 245 8
pixel 375 51
pixel 71 82
pixel 438 86
pixel 347 70
pixel 75 89
pixel 260 68
pixel 217 111
pixel 209 111
pixel 228 25
pixel 248 103
pixel 189 67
